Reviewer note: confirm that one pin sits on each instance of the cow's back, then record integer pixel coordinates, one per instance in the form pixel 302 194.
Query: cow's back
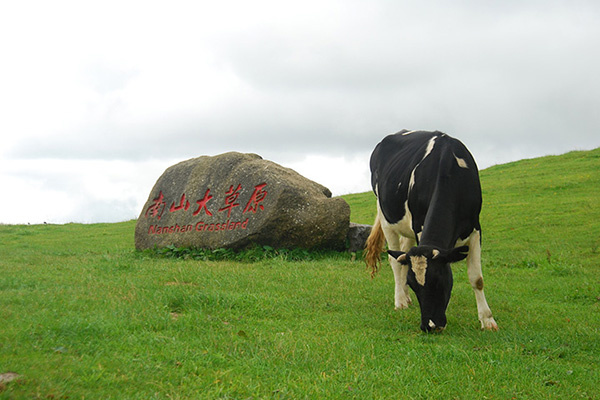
pixel 426 168
pixel 392 163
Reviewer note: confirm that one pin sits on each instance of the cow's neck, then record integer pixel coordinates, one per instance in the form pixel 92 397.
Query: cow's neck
pixel 440 228
pixel 439 231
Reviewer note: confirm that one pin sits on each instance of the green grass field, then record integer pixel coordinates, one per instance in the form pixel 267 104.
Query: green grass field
pixel 83 315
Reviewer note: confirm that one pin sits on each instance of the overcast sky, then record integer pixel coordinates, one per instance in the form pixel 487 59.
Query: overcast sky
pixel 98 98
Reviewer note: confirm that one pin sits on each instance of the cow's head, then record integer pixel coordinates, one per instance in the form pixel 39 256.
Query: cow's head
pixel 430 277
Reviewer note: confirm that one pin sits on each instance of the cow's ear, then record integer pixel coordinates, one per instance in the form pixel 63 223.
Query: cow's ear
pixel 457 254
pixel 400 256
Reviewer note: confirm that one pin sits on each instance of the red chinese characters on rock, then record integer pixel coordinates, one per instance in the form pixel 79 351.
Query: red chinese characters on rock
pixel 158 205
pixel 230 200
pixel 257 197
pixel 202 204
pixel 181 206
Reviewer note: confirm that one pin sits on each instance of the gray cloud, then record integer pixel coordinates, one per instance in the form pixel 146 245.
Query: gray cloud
pixel 480 72
pixel 511 80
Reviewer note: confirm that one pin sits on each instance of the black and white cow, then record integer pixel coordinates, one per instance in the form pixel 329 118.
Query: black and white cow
pixel 428 195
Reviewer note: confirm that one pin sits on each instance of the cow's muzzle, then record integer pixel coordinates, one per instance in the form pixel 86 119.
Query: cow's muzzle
pixel 432 327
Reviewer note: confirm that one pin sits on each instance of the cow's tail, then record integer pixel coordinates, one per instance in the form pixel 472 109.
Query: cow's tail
pixel 374 247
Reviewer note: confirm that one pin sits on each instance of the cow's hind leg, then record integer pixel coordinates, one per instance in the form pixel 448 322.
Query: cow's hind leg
pixel 476 280
pixel 401 292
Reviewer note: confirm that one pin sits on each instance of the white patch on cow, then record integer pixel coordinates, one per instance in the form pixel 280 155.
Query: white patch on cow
pixel 401 228
pixel 461 242
pixel 408 133
pixel 411 183
pixel 430 145
pixel 419 267
pixel 461 162
pixel 428 151
pixel 431 324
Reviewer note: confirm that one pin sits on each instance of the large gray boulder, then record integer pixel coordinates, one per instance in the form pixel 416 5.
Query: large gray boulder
pixel 235 200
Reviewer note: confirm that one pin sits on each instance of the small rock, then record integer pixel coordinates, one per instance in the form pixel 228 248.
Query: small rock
pixel 9 377
pixel 357 236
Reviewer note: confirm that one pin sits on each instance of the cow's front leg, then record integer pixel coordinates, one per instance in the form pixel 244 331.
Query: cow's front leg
pixel 401 295
pixel 401 290
pixel 476 280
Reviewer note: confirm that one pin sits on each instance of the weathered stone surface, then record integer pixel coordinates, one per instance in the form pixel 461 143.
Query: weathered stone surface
pixel 357 236
pixel 234 200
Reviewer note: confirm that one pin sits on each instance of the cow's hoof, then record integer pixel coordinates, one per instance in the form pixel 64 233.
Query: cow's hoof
pixel 403 303
pixel 489 324
pixel 402 306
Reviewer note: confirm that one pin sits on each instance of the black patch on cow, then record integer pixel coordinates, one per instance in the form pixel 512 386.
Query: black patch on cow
pixel 445 199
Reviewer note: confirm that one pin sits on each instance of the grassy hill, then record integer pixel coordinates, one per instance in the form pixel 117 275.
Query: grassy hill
pixel 544 207
pixel 85 316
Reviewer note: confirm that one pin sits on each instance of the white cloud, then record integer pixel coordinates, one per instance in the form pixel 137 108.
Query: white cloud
pixel 98 97
pixel 59 191
pixel 341 175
